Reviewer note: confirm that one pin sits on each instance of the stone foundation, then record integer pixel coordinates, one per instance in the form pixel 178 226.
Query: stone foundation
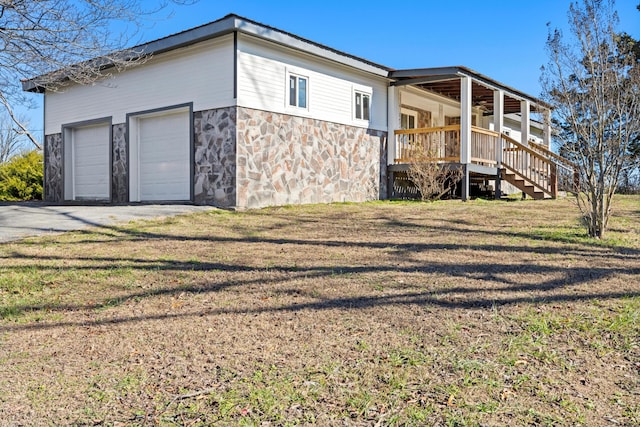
pixel 215 157
pixel 53 170
pixel 249 158
pixel 283 159
pixel 383 193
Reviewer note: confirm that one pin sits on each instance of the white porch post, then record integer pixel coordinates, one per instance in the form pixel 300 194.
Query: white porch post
pixel 525 124
pixel 465 133
pixel 547 129
pixel 498 124
pixel 393 122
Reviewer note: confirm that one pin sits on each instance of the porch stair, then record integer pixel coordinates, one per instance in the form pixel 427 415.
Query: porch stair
pixel 531 168
pixel 525 185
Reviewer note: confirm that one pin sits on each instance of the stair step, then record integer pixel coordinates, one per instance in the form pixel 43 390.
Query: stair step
pixel 522 184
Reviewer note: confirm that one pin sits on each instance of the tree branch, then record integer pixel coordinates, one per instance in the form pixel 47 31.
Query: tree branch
pixel 22 128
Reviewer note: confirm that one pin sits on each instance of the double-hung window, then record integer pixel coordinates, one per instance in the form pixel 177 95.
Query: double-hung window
pixel 362 105
pixel 409 120
pixel 298 91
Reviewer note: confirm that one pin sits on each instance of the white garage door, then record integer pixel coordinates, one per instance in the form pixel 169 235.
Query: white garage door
pixel 163 157
pixel 89 169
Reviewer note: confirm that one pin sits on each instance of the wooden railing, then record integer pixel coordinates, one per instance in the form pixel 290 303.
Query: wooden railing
pixel 441 144
pixel 484 146
pixel 536 168
pixel 568 174
pixel 536 164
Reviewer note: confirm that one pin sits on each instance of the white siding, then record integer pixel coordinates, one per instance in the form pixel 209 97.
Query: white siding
pixel 513 126
pixel 202 74
pixel 262 84
pixel 422 100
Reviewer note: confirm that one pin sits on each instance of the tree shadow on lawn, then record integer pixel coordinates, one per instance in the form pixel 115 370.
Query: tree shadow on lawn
pixel 578 246
pixel 507 283
pixel 562 288
pixel 578 240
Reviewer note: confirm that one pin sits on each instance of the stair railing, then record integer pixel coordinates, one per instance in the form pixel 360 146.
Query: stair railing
pixel 567 171
pixel 535 168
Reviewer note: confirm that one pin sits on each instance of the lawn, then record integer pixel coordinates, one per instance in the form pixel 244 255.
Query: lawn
pixel 481 313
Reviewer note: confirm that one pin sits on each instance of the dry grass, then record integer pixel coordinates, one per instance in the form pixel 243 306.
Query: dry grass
pixel 447 314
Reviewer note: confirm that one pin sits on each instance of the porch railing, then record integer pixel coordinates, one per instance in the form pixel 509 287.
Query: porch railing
pixel 534 163
pixel 440 144
pixel 484 146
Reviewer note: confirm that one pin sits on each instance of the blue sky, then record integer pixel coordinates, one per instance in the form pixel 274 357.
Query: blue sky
pixel 503 39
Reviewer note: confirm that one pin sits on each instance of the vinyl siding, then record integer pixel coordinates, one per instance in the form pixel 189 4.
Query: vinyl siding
pixel 516 132
pixel 262 84
pixel 202 74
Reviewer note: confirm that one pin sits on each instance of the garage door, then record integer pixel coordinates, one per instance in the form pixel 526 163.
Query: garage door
pixel 87 173
pixel 163 157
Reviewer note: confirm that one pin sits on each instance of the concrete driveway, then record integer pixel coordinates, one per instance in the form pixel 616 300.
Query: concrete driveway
pixel 19 220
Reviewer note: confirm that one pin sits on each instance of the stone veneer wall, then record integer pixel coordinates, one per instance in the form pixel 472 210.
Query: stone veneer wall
pixel 215 157
pixel 53 185
pixel 274 159
pixel 283 159
pixel 424 119
pixel 54 167
pixel 120 170
pixel 424 116
pixel 384 176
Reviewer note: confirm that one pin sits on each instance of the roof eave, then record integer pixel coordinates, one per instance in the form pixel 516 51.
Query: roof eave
pixel 234 23
pixel 289 40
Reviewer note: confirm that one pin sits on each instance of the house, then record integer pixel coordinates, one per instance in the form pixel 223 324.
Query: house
pixel 235 113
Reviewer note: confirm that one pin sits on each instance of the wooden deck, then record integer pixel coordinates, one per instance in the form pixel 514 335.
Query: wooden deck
pixel 531 168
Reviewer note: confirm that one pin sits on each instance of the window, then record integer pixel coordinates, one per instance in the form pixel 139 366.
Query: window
pixel 408 119
pixel 362 107
pixel 298 91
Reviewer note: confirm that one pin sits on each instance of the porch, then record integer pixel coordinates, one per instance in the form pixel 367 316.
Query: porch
pixel 496 157
pixel 461 119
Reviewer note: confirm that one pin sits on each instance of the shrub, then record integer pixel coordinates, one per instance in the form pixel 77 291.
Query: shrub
pixel 21 177
pixel 433 180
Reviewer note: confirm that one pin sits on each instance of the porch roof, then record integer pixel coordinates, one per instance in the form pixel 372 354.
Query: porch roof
pixel 446 81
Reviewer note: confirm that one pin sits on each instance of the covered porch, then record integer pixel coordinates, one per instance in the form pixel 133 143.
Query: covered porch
pixel 458 117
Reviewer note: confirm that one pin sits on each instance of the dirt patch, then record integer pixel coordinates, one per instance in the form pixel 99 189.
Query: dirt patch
pixel 450 313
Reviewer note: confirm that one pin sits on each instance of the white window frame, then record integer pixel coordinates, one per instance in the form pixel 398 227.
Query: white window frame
pixel 412 113
pixel 291 74
pixel 363 92
pixel 409 113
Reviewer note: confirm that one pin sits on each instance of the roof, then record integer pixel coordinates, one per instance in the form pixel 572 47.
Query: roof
pixel 234 23
pixel 441 80
pixel 445 81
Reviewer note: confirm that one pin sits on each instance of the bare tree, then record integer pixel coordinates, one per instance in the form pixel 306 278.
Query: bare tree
pixel 592 81
pixel 65 41
pixel 11 140
pixel 432 179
